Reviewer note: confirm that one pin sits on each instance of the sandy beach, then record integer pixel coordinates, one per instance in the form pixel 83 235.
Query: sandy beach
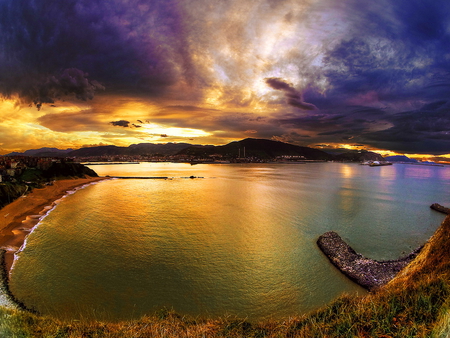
pixel 20 216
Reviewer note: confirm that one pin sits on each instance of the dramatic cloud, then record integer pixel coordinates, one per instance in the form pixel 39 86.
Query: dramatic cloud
pixel 310 72
pixel 121 123
pixel 294 97
pixel 417 131
pixel 47 89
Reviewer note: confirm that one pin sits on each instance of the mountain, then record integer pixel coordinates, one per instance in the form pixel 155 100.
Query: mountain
pixel 359 156
pixel 98 151
pixel 163 149
pixel 43 152
pixel 400 158
pixel 260 148
pixel 134 149
pixel 257 148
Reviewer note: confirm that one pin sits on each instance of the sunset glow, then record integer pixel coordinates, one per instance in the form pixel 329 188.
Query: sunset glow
pixel 369 76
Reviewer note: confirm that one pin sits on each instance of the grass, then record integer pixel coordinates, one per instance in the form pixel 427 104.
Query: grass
pixel 415 304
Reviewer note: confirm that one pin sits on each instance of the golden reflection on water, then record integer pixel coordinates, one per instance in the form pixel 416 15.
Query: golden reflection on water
pixel 239 241
pixel 347 170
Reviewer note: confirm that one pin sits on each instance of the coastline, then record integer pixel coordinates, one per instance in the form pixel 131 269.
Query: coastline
pixel 18 218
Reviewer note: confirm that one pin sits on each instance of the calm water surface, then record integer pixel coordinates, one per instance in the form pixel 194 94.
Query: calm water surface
pixel 239 241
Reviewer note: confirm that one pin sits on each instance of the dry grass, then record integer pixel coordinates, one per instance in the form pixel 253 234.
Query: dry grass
pixel 415 304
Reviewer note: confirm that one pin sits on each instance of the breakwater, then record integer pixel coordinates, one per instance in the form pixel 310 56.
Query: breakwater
pixel 440 208
pixel 139 177
pixel 368 273
pixel 148 177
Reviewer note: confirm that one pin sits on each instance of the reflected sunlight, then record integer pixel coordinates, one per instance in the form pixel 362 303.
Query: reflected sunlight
pixel 347 171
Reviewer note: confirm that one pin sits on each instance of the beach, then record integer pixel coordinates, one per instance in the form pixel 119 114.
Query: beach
pixel 19 217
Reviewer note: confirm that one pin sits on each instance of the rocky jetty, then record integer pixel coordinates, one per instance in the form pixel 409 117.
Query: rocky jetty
pixel 368 273
pixel 440 208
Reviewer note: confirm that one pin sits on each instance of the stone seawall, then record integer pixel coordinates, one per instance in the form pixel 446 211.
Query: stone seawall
pixel 440 208
pixel 368 273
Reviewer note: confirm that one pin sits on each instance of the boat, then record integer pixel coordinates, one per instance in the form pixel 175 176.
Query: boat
pixel 379 163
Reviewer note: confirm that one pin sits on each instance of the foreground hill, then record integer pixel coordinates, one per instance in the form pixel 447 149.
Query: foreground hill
pixel 259 148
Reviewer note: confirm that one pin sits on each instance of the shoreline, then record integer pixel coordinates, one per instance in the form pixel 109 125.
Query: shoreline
pixel 18 218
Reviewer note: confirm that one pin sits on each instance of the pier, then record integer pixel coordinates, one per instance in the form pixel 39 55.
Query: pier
pixel 149 177
pixel 140 177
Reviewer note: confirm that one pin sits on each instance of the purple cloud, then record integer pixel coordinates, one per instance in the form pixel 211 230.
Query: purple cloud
pixel 294 97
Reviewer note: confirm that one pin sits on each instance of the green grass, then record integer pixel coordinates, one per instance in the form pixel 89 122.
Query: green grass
pixel 415 304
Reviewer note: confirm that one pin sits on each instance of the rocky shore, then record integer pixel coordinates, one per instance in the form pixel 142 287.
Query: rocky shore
pixel 368 273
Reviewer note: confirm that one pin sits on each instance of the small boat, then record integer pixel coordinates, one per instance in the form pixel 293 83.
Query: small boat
pixel 379 163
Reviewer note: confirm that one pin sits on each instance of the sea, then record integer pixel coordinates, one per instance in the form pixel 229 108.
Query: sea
pixel 220 240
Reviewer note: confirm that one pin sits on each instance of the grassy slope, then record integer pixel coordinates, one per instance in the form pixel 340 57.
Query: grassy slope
pixel 415 304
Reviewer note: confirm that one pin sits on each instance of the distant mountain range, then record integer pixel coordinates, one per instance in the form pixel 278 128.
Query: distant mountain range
pixel 400 158
pixel 134 149
pixel 43 152
pixel 258 148
pixel 358 156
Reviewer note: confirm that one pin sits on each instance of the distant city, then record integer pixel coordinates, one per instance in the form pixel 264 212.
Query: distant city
pixel 33 165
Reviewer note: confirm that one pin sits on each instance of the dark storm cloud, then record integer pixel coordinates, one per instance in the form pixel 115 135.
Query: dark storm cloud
pixel 355 120
pixel 135 45
pixel 334 132
pixel 70 82
pixel 393 58
pixel 396 48
pixel 121 123
pixel 293 96
pixel 417 131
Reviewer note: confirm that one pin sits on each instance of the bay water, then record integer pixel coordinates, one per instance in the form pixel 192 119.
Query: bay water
pixel 236 240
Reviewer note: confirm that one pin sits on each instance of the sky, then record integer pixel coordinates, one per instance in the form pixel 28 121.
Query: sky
pixel 358 74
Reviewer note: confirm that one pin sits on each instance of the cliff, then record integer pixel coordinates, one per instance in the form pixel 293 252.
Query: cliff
pixel 68 169
pixel 9 192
